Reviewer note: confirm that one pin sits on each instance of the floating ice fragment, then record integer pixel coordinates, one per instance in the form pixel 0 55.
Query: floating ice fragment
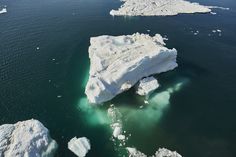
pixel 213 13
pixel 121 137
pixel 146 86
pixel 117 131
pixel 26 138
pixel 4 10
pixel 79 146
pixel 158 8
pixel 161 152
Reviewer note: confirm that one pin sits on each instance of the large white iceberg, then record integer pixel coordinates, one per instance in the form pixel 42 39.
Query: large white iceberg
pixel 79 146
pixel 118 62
pixel 162 152
pixel 158 8
pixel 26 139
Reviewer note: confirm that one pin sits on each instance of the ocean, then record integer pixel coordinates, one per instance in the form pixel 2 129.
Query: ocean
pixel 44 68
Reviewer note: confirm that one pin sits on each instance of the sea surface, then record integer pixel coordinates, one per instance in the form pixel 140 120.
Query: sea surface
pixel 44 67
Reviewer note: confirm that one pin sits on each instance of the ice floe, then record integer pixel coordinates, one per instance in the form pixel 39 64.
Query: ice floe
pixel 79 146
pixel 146 86
pixel 3 10
pixel 119 62
pixel 161 152
pixel 26 139
pixel 158 8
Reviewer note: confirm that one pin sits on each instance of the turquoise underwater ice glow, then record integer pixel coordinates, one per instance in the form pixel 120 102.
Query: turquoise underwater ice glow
pixel 150 113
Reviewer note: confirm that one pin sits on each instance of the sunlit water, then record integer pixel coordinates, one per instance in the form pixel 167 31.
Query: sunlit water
pixel 44 68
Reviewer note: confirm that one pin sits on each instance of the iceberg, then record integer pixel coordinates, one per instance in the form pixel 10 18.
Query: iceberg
pixel 158 8
pixel 146 86
pixel 118 62
pixel 161 152
pixel 26 139
pixel 79 146
pixel 4 10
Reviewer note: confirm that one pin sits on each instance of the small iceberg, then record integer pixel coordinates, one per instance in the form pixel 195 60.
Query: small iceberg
pixel 4 10
pixel 26 139
pixel 146 86
pixel 158 8
pixel 161 152
pixel 79 146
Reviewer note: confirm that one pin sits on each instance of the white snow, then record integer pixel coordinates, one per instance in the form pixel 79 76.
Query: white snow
pixel 79 146
pixel 161 152
pixel 146 86
pixel 158 8
pixel 4 10
pixel 26 139
pixel 119 62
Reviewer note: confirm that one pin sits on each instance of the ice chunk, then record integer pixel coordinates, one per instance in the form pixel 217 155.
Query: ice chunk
pixel 158 8
pixel 133 152
pixel 119 62
pixel 4 10
pixel 27 138
pixel 146 86
pixel 79 146
pixel 162 152
pixel 117 131
pixel 121 137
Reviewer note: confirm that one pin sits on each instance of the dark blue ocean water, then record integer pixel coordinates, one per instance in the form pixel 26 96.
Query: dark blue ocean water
pixel 46 83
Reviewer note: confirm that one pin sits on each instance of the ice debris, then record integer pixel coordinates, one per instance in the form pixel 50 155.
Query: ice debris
pixel 4 10
pixel 146 86
pixel 158 8
pixel 161 152
pixel 26 139
pixel 79 146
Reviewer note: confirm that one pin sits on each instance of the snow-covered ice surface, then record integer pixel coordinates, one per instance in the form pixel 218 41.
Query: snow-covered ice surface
pixel 146 86
pixel 158 8
pixel 118 62
pixel 79 146
pixel 162 152
pixel 26 139
pixel 3 10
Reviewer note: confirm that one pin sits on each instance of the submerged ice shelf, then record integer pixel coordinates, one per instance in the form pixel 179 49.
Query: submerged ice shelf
pixel 26 139
pixel 158 8
pixel 118 62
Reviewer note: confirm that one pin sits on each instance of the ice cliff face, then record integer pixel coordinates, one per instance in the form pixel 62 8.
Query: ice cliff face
pixel 26 139
pixel 158 8
pixel 118 62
